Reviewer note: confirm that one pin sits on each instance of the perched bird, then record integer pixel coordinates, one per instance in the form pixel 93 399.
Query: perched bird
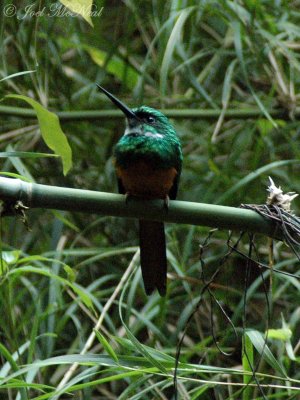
pixel 148 161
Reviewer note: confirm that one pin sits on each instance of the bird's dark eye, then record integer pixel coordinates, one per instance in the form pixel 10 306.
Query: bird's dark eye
pixel 150 119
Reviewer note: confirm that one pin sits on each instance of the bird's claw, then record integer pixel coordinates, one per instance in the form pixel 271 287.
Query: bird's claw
pixel 166 202
pixel 127 195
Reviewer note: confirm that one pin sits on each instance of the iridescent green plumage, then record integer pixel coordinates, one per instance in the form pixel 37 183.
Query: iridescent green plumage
pixel 156 142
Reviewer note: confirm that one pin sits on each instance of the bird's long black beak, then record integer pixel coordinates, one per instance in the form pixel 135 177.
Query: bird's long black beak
pixel 129 113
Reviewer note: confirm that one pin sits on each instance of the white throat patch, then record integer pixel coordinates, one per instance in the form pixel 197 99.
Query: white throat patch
pixel 139 131
pixel 154 135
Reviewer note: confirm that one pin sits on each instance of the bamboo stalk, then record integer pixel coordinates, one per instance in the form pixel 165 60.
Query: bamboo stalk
pixel 35 195
pixel 171 113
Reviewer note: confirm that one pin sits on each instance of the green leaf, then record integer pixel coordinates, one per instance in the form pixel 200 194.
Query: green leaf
pixel 279 334
pixel 288 345
pixel 19 165
pixel 226 92
pixel 263 349
pixel 16 75
pixel 3 267
pixel 17 176
pixel 238 42
pixel 83 295
pixel 213 167
pixel 11 257
pixel 65 221
pixel 80 7
pixel 25 154
pixel 8 260
pixel 51 131
pixel 172 42
pixel 247 361
pixel 106 346
pixel 8 356
pixel 142 349
pixel 81 292
pixel 265 126
pixel 114 65
pixel 70 273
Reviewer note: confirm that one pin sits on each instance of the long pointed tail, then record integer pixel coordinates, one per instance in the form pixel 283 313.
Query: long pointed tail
pixel 153 256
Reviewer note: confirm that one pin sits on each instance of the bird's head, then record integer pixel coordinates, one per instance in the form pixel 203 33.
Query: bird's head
pixel 145 121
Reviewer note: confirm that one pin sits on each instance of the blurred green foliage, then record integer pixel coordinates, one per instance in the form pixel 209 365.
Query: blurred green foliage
pixel 183 54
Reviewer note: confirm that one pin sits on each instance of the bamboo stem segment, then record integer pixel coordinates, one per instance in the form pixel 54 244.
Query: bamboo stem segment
pixel 170 113
pixel 34 195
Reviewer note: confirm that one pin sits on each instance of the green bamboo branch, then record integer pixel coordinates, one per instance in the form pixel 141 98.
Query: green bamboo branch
pixel 171 113
pixel 32 195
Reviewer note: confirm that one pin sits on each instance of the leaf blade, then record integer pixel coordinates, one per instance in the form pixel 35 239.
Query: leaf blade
pixel 51 131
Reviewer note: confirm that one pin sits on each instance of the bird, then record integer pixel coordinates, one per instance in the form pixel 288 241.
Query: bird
pixel 148 162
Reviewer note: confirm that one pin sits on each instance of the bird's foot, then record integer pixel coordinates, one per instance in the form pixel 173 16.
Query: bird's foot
pixel 127 195
pixel 166 202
